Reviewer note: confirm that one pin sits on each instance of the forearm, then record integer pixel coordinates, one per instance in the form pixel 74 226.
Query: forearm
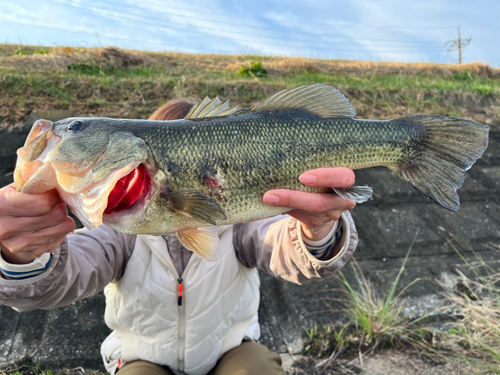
pixel 277 247
pixel 80 268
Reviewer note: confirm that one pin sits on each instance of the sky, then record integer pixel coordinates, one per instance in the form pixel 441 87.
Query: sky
pixel 377 30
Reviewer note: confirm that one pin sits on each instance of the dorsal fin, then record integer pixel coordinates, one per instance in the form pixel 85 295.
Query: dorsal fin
pixel 211 108
pixel 319 99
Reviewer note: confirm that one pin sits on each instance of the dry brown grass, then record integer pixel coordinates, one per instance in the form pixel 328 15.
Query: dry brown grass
pixel 475 300
pixel 279 65
pixel 59 58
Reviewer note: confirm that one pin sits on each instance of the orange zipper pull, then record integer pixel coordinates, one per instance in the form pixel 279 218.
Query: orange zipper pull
pixel 179 300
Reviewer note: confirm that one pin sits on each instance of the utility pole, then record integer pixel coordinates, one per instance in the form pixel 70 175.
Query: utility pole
pixel 458 44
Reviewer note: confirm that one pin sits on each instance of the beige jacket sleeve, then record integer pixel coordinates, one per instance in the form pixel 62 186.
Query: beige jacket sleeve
pixel 276 247
pixel 80 268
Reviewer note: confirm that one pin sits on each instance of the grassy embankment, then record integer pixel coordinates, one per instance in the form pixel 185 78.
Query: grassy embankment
pixel 115 83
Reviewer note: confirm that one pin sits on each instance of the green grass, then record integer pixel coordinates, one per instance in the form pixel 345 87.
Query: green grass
pixel 378 316
pixel 375 321
pixel 88 91
pixel 397 82
pixel 482 85
pixel 27 51
pixel 330 340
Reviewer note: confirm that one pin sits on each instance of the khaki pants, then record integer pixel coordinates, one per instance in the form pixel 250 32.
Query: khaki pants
pixel 249 358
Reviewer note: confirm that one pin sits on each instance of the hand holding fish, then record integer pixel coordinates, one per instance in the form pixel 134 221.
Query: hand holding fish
pixel 31 225
pixel 317 212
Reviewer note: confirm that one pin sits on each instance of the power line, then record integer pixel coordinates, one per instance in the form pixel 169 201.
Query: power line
pixel 282 31
pixel 358 26
pixel 254 27
pixel 128 17
pixel 89 33
pixel 142 42
pixel 436 57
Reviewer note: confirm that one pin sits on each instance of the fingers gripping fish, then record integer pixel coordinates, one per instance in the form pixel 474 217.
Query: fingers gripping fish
pixel 213 167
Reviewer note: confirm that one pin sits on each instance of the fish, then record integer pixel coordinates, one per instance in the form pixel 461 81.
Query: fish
pixel 213 167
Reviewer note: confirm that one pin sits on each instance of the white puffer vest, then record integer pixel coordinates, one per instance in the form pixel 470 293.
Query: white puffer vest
pixel 219 308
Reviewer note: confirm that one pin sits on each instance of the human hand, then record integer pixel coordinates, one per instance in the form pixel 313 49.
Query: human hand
pixel 317 212
pixel 31 224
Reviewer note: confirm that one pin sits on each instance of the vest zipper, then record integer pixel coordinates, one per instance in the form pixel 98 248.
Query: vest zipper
pixel 181 336
pixel 179 298
pixel 181 343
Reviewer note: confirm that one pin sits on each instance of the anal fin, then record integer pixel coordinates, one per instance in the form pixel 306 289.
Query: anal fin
pixel 204 242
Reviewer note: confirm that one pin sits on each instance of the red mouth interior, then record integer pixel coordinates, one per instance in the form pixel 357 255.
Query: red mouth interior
pixel 128 190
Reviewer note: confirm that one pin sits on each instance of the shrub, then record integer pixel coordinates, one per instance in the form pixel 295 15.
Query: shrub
pixel 255 69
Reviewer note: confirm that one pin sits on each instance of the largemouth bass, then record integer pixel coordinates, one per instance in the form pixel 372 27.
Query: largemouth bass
pixel 213 167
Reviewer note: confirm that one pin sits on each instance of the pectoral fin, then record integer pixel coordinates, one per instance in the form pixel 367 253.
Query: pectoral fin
pixel 196 205
pixel 204 242
pixel 358 194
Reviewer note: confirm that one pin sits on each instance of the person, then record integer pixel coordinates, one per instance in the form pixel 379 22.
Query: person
pixel 168 309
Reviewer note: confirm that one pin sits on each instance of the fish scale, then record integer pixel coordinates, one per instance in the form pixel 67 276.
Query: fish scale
pixel 315 144
pixel 208 171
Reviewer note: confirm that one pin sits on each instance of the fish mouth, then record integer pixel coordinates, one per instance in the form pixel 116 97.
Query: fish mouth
pixel 32 175
pixel 102 200
pixel 92 196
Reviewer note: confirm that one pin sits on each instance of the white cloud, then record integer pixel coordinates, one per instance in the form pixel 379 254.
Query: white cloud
pixel 341 29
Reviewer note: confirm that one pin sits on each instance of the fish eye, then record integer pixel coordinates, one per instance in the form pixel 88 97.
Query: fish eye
pixel 75 126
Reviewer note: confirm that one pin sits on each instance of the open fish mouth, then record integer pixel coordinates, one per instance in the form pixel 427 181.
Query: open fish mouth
pixel 31 175
pixel 122 192
pixel 80 181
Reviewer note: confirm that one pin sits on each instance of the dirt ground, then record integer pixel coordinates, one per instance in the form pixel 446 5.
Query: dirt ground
pixel 391 362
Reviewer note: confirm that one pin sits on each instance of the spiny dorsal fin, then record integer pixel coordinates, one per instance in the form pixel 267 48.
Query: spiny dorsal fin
pixel 319 99
pixel 211 108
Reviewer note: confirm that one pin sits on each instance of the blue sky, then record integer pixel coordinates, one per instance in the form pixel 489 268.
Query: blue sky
pixel 380 30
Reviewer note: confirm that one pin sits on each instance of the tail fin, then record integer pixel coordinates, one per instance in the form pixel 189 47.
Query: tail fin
pixel 448 149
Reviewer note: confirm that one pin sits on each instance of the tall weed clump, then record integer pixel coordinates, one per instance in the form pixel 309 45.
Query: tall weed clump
pixel 378 317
